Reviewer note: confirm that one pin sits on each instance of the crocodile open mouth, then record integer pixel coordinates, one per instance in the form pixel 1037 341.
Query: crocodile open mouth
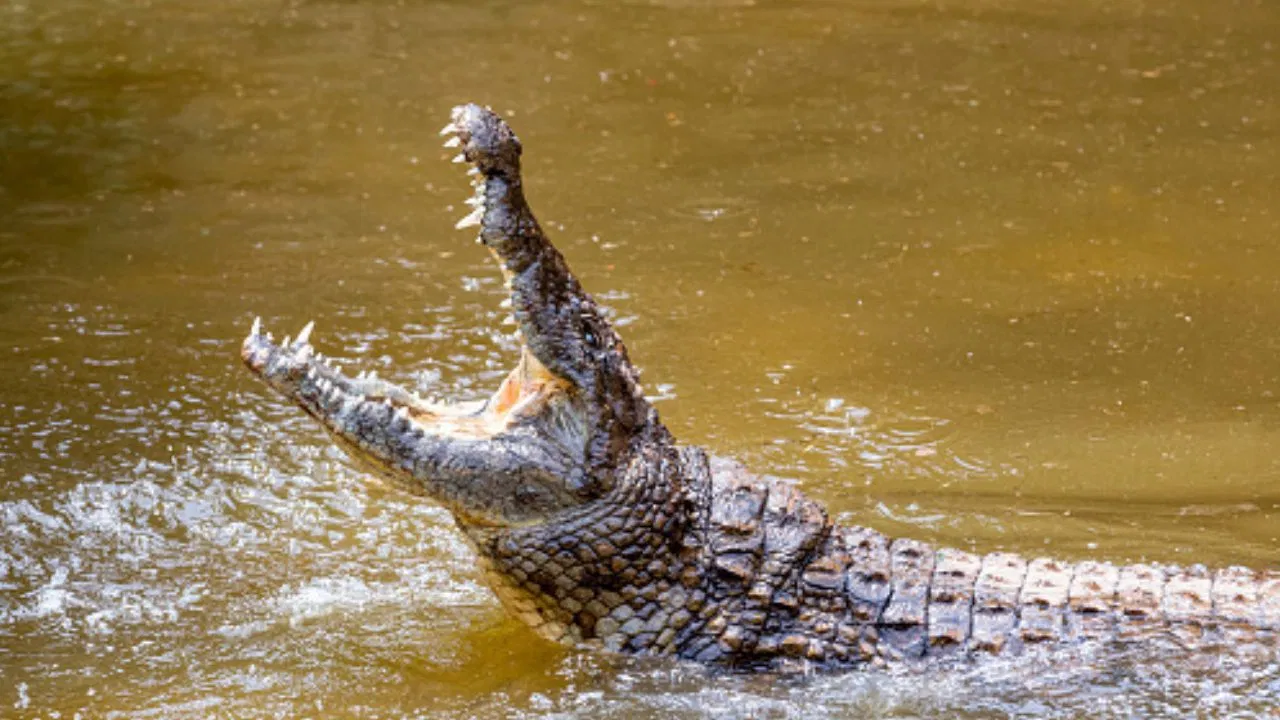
pixel 550 435
pixel 298 371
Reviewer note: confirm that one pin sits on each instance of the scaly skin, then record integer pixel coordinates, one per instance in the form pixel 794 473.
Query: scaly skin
pixel 595 527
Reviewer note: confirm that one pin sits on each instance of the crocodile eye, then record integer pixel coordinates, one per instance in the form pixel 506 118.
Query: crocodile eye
pixel 592 340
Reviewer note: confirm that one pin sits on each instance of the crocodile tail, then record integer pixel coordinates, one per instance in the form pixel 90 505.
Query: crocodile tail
pixel 942 602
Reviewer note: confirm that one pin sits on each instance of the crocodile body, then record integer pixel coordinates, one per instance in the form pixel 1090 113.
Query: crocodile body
pixel 596 527
pixel 750 573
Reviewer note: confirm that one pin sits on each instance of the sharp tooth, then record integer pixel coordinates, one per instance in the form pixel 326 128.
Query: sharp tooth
pixel 373 374
pixel 453 142
pixel 471 220
pixel 285 344
pixel 306 333
pixel 311 373
pixel 473 170
pixel 460 158
pixel 506 303
pixel 305 351
pixel 361 375
pixel 509 320
pixel 474 201
pixel 257 327
pixel 450 128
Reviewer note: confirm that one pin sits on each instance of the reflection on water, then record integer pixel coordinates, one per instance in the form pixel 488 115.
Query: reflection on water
pixel 998 275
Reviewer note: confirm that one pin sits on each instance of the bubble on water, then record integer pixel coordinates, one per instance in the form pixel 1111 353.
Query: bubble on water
pixel 53 597
pixel 326 595
pixel 322 596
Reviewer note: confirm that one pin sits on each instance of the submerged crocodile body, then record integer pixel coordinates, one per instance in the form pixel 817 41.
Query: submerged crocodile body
pixel 596 527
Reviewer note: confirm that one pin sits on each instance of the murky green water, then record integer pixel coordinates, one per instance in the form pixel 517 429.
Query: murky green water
pixel 990 274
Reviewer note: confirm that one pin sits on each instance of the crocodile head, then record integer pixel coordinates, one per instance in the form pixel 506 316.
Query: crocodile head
pixel 555 432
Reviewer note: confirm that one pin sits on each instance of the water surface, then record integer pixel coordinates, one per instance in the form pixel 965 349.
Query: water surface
pixel 999 275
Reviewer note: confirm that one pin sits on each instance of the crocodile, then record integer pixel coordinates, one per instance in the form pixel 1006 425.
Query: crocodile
pixel 595 527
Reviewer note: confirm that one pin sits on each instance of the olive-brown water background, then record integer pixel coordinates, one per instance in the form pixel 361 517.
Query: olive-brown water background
pixel 993 274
